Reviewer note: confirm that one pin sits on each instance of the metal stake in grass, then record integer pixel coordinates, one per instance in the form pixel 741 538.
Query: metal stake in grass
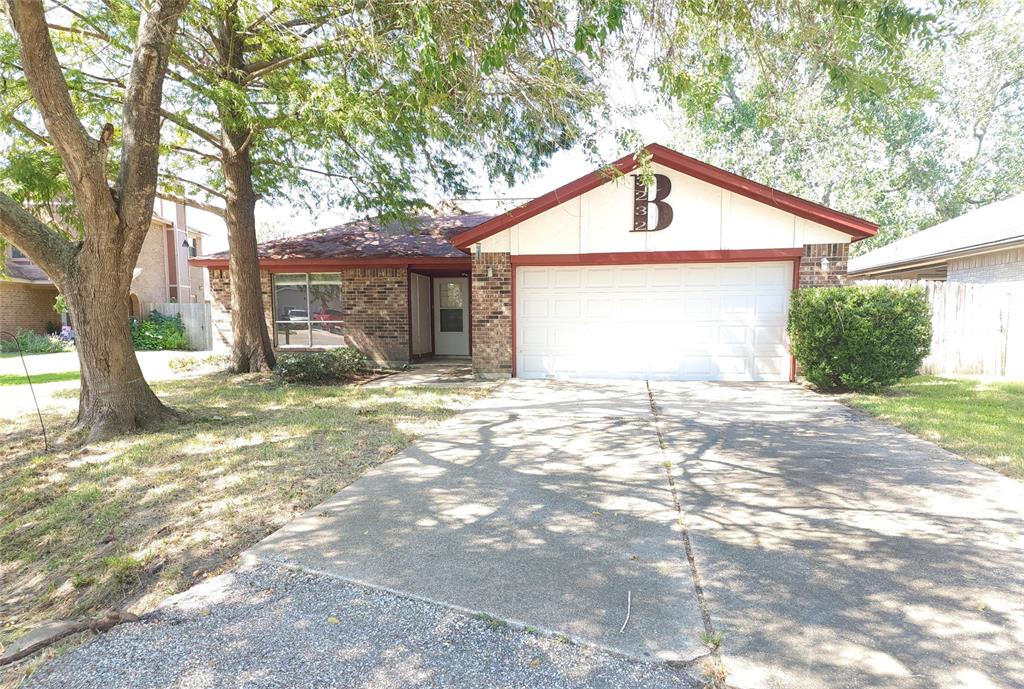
pixel 21 353
pixel 629 605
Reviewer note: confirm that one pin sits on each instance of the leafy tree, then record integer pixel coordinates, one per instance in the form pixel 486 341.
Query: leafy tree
pixel 361 105
pixel 948 142
pixel 89 252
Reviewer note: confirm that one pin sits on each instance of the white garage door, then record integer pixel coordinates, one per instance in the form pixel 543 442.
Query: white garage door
pixel 697 321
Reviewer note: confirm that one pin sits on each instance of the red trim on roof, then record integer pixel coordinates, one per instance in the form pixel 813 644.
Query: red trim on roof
pixel 278 265
pixel 857 228
pixel 643 257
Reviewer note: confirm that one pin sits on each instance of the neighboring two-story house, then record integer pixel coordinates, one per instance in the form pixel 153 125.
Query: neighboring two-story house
pixel 162 274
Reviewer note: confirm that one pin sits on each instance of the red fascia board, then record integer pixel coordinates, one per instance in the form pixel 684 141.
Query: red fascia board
pixel 857 228
pixel 647 257
pixel 281 265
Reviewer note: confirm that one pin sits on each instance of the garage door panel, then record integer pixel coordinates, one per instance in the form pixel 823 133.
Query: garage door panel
pixel 534 307
pixel 736 304
pixel 668 322
pixel 599 277
pixel 770 304
pixel 566 277
pixel 532 278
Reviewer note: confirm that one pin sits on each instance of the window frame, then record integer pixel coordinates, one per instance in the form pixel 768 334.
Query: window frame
pixel 309 320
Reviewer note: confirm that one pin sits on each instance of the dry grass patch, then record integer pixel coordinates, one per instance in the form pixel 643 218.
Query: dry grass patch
pixel 127 522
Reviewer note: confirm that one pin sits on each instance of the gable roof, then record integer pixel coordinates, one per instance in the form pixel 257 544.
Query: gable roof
pixel 429 237
pixel 844 222
pixel 988 228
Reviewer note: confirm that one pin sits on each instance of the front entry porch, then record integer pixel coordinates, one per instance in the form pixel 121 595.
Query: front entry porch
pixel 439 314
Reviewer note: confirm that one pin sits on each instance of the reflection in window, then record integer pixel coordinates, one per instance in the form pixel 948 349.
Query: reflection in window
pixel 307 310
pixel 451 306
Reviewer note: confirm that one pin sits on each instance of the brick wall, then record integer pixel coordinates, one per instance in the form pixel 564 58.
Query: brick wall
pixel 220 304
pixel 998 266
pixel 373 301
pixel 150 285
pixel 492 315
pixel 811 274
pixel 27 307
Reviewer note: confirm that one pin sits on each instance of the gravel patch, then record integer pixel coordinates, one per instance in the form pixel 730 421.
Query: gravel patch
pixel 267 626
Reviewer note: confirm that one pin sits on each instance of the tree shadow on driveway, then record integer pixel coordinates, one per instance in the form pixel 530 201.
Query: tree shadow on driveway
pixel 840 551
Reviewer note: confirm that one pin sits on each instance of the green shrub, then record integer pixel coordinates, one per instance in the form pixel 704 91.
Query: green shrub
pixel 159 332
pixel 319 367
pixel 859 337
pixel 34 343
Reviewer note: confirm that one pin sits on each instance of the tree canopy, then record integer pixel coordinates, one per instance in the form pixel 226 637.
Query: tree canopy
pixel 948 142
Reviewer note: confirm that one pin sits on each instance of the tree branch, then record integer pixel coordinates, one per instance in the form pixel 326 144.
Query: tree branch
pixel 50 91
pixel 189 127
pixel 49 249
pixel 193 203
pixel 140 150
pixel 28 131
pixel 198 185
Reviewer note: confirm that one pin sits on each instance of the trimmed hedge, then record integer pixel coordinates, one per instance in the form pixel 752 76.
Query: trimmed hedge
pixel 159 332
pixel 859 337
pixel 320 367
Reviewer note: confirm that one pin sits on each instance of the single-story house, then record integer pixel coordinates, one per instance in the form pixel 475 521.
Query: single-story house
pixel 607 276
pixel 985 245
pixel 162 274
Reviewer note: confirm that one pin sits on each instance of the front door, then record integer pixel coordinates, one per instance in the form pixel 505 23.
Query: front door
pixel 451 316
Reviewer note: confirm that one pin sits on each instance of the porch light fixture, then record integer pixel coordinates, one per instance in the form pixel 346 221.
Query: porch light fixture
pixel 824 264
pixel 490 271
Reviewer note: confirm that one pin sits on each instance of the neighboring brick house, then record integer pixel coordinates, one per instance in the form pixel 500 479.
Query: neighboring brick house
pixel 162 274
pixel 602 277
pixel 983 246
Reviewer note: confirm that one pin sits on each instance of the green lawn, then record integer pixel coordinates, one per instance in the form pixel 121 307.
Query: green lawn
pixel 38 378
pixel 981 421
pixel 126 522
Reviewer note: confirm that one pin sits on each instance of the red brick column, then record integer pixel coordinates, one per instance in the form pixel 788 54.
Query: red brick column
pixel 492 315
pixel 811 274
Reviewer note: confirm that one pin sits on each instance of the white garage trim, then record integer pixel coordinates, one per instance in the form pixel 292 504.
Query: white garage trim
pixel 700 319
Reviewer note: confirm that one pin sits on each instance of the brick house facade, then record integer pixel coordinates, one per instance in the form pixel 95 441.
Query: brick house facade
pixel 374 304
pixel 593 278
pixel 162 274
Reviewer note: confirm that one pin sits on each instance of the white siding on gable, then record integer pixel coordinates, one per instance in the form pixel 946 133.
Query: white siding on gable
pixel 705 218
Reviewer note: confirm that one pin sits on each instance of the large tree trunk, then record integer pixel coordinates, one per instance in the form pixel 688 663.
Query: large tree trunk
pixel 251 350
pixel 114 397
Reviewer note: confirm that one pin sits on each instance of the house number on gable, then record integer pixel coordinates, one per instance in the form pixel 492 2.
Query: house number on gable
pixel 641 204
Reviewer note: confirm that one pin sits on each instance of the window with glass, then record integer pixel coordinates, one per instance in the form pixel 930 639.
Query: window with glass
pixel 307 310
pixel 451 307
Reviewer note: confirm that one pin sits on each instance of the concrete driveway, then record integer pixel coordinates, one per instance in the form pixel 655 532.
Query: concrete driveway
pixel 829 550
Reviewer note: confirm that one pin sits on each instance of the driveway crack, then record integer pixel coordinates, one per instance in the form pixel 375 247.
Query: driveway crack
pixel 711 637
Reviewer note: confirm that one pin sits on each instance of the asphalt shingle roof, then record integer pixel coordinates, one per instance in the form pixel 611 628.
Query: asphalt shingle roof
pixel 427 236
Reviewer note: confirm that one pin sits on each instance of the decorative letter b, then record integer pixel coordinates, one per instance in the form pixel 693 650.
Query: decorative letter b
pixel 663 185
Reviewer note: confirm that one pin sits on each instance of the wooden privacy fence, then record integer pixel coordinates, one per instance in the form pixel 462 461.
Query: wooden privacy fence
pixel 196 318
pixel 977 329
